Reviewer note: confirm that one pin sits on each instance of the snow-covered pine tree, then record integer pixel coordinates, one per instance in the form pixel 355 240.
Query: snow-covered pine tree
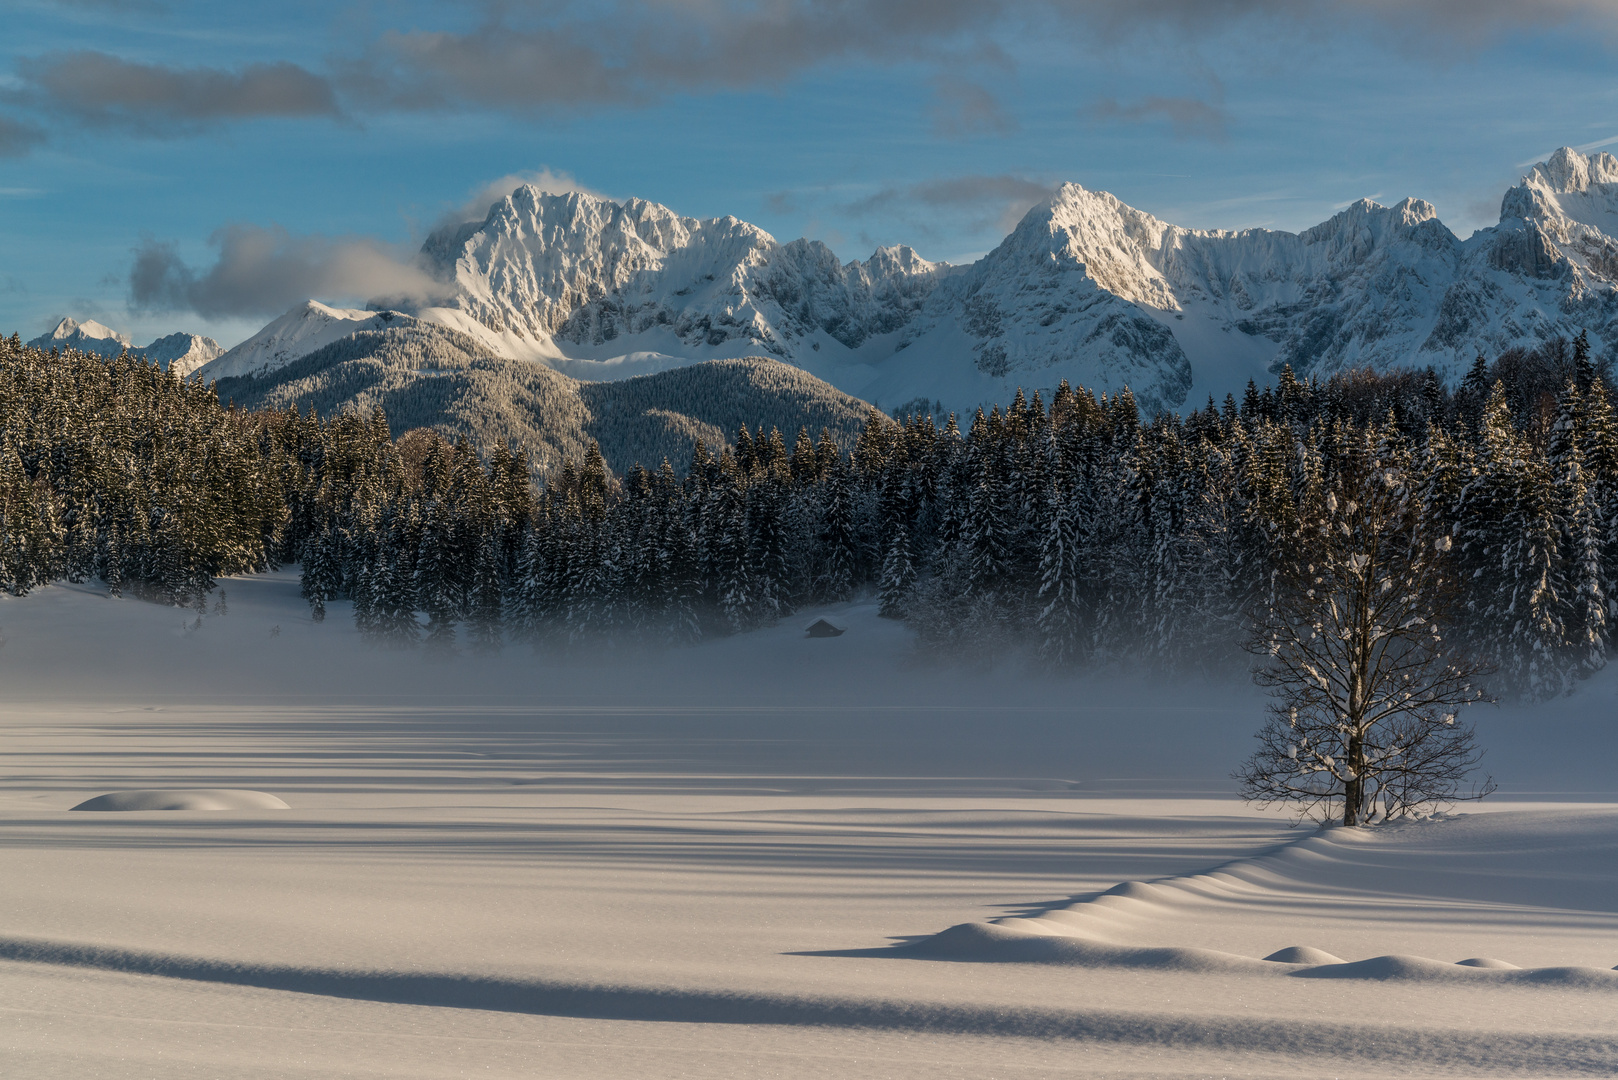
pixel 1599 448
pixel 487 600
pixel 394 596
pixel 318 577
pixel 526 615
pixel 1510 536
pixel 989 528
pixel 836 541
pixel 436 577
pixel 1577 567
pixel 1060 622
pixel 727 556
pixel 766 517
pixel 898 571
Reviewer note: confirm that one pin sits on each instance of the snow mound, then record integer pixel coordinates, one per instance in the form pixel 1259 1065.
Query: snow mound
pixel 1486 962
pixel 184 799
pixel 1304 954
pixel 1392 966
pixel 1014 944
pixel 1403 968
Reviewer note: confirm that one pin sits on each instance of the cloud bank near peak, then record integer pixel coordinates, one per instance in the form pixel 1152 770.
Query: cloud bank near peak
pixel 263 271
pixel 550 181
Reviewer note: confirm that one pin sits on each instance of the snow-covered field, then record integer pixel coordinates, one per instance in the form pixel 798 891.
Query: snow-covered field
pixel 737 859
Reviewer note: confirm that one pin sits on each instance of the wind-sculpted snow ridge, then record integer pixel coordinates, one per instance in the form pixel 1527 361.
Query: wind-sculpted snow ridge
pixel 424 375
pixel 1085 288
pixel 1103 931
pixel 1298 1040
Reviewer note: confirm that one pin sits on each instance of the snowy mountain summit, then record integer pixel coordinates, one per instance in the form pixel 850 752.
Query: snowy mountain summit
pixel 87 336
pixel 1086 288
pixel 307 327
pixel 576 277
pixel 180 353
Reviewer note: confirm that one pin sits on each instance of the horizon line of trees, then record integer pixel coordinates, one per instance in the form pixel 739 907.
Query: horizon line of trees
pixel 1073 527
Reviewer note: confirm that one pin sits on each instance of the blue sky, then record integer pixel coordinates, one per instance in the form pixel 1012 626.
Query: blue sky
pixel 289 148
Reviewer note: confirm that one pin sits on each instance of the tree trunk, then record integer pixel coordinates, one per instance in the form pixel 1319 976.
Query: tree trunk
pixel 1354 788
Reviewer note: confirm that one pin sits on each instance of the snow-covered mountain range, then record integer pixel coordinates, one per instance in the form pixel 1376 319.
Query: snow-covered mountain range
pixel 180 353
pixel 1085 288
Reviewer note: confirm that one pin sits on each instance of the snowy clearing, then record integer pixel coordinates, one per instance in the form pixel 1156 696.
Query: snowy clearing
pixel 736 860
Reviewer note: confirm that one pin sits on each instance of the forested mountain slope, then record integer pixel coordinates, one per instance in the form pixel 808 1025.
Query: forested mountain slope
pixel 428 376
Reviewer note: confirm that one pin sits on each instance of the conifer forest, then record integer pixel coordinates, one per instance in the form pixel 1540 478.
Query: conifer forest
pixel 1073 527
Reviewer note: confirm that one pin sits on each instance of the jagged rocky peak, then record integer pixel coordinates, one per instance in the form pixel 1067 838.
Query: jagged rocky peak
pixel 1561 222
pixel 1093 232
pixel 577 269
pixel 1354 234
pixel 183 353
pixel 537 258
pixel 1567 170
pixel 1568 187
pixel 1365 215
pixel 899 260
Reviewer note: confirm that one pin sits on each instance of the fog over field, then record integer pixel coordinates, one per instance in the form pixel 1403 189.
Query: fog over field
pixel 736 859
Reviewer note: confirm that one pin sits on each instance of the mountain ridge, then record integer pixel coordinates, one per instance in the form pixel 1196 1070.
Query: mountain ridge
pixel 1085 288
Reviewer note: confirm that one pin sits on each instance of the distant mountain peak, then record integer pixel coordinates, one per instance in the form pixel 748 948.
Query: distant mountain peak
pixel 180 353
pixel 70 333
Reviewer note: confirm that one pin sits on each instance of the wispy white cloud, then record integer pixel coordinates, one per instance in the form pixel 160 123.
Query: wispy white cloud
pixel 550 181
pixel 1583 148
pixel 1374 196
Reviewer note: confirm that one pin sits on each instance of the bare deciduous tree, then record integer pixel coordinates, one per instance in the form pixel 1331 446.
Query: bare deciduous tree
pixel 1367 688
